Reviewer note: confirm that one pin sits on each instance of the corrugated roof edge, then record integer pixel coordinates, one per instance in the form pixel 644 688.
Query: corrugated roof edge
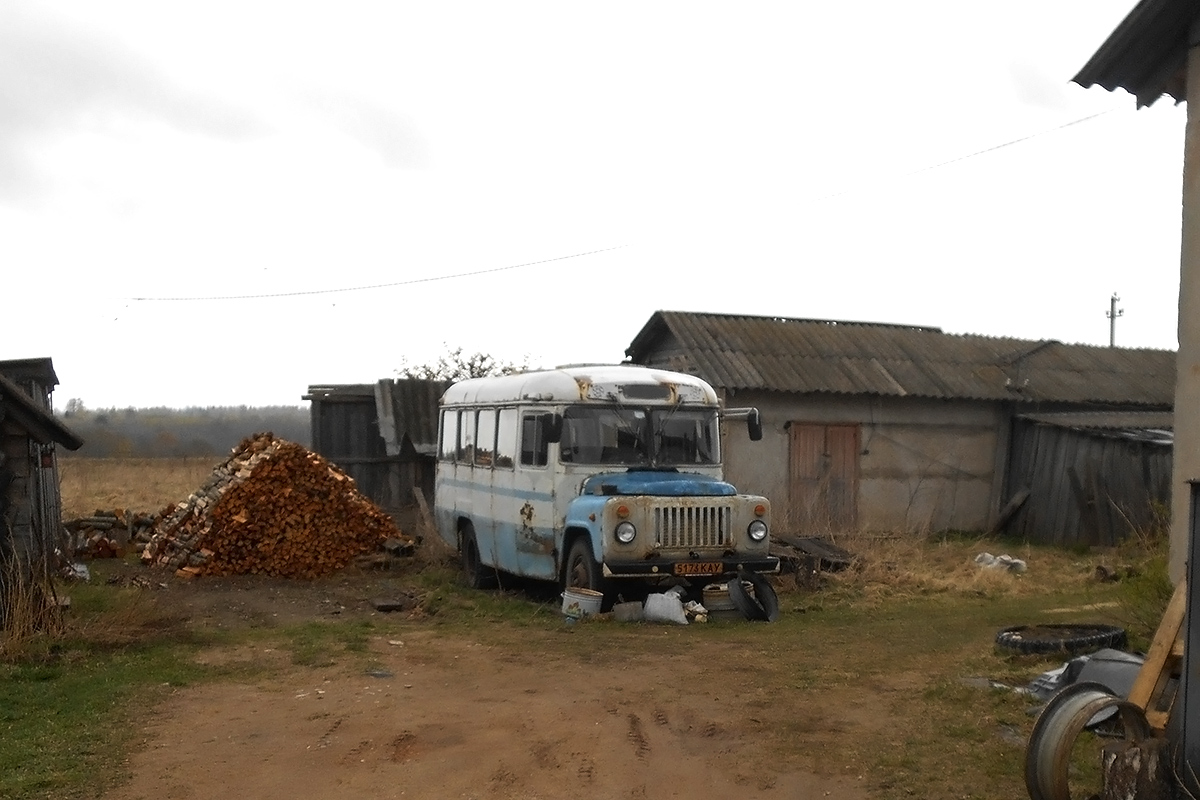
pixel 658 319
pixel 44 425
pixel 1145 52
pixel 1104 420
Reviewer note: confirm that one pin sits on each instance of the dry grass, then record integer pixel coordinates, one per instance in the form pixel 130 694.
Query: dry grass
pixel 144 485
pixel 28 613
pixel 889 568
pixel 434 552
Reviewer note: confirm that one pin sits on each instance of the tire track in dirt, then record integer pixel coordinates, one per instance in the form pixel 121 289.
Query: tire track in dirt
pixel 356 752
pixel 327 738
pixel 637 737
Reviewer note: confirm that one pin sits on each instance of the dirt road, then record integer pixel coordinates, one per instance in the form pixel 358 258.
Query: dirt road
pixel 426 713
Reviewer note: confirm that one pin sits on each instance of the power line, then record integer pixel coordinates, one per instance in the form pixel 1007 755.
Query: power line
pixel 993 148
pixel 430 279
pixel 977 153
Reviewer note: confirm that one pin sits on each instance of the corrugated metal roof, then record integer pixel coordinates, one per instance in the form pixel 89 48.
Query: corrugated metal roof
pixel 414 403
pixel 1108 420
pixel 814 356
pixel 1146 54
pixel 1153 427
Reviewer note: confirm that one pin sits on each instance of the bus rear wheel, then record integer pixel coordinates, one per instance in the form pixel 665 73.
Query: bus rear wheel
pixel 477 575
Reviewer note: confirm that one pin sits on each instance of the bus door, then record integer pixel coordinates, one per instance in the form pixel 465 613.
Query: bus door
pixel 533 515
pixel 482 478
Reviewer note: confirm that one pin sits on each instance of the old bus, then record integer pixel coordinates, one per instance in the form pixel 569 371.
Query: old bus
pixel 592 475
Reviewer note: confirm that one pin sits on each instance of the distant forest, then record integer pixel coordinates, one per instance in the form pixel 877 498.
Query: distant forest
pixel 175 433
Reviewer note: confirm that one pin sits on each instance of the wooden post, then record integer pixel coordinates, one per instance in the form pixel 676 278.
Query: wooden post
pixel 1137 771
pixel 1186 466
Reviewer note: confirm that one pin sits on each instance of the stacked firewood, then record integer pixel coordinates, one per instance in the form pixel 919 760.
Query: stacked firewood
pixel 272 508
pixel 107 534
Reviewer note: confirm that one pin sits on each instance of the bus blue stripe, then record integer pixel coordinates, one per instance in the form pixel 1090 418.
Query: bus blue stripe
pixel 520 494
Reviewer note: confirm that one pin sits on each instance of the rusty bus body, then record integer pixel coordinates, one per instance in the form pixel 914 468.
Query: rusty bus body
pixel 589 476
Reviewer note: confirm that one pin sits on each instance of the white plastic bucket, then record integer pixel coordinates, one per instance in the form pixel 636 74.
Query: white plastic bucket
pixel 579 603
pixel 719 603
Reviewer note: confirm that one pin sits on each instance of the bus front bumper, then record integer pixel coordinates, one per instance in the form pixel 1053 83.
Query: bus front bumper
pixel 689 568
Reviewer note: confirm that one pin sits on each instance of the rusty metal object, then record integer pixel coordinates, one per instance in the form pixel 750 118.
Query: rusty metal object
pixel 1048 753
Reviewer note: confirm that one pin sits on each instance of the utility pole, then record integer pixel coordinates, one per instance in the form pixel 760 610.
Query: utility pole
pixel 1113 313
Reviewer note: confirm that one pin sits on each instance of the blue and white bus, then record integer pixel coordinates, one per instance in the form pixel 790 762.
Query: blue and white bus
pixel 589 476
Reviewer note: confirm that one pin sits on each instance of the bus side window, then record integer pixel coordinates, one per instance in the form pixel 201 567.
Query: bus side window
pixel 533 443
pixel 449 444
pixel 485 446
pixel 466 436
pixel 506 438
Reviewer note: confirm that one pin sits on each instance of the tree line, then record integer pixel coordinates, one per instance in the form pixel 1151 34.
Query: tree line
pixel 178 432
pixel 214 431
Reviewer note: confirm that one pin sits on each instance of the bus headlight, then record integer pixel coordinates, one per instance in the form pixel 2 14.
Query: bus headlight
pixel 625 532
pixel 757 530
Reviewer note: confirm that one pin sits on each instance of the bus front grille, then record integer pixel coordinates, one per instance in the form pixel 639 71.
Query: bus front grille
pixel 692 526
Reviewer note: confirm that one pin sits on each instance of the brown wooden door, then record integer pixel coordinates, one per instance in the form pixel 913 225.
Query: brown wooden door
pixel 823 477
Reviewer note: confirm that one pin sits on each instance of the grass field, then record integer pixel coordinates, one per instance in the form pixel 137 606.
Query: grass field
pixel 134 484
pixel 914 615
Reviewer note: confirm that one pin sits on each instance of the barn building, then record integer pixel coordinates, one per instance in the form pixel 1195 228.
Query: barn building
pixel 888 428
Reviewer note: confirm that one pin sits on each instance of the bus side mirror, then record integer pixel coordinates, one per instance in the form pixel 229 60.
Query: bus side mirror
pixel 754 425
pixel 552 425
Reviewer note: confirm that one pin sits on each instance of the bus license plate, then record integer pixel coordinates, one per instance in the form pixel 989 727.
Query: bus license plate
pixel 698 568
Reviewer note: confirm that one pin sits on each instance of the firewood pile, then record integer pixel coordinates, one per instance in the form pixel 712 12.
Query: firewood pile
pixel 108 534
pixel 273 508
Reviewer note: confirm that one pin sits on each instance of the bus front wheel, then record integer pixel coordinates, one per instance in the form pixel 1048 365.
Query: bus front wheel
pixel 582 571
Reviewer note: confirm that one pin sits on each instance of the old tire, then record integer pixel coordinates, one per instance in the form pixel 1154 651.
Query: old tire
pixel 475 572
pixel 1068 639
pixel 581 571
pixel 763 606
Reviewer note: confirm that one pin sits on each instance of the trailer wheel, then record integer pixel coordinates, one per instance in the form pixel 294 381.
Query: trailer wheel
pixel 477 575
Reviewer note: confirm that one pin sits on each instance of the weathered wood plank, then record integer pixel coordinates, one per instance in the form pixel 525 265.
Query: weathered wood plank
pixel 1166 639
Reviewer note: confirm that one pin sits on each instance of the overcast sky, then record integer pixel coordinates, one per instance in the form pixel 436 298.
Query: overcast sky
pixel 193 194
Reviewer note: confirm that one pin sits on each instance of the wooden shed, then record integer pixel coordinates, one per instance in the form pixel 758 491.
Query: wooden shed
pixel 30 513
pixel 384 435
pixel 1088 478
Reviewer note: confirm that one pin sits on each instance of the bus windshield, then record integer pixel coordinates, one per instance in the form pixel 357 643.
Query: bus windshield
pixel 639 437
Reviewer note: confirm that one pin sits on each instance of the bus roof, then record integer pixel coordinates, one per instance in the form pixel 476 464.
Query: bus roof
pixel 612 383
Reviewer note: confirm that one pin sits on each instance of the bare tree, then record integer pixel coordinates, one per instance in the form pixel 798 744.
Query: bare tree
pixel 456 365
